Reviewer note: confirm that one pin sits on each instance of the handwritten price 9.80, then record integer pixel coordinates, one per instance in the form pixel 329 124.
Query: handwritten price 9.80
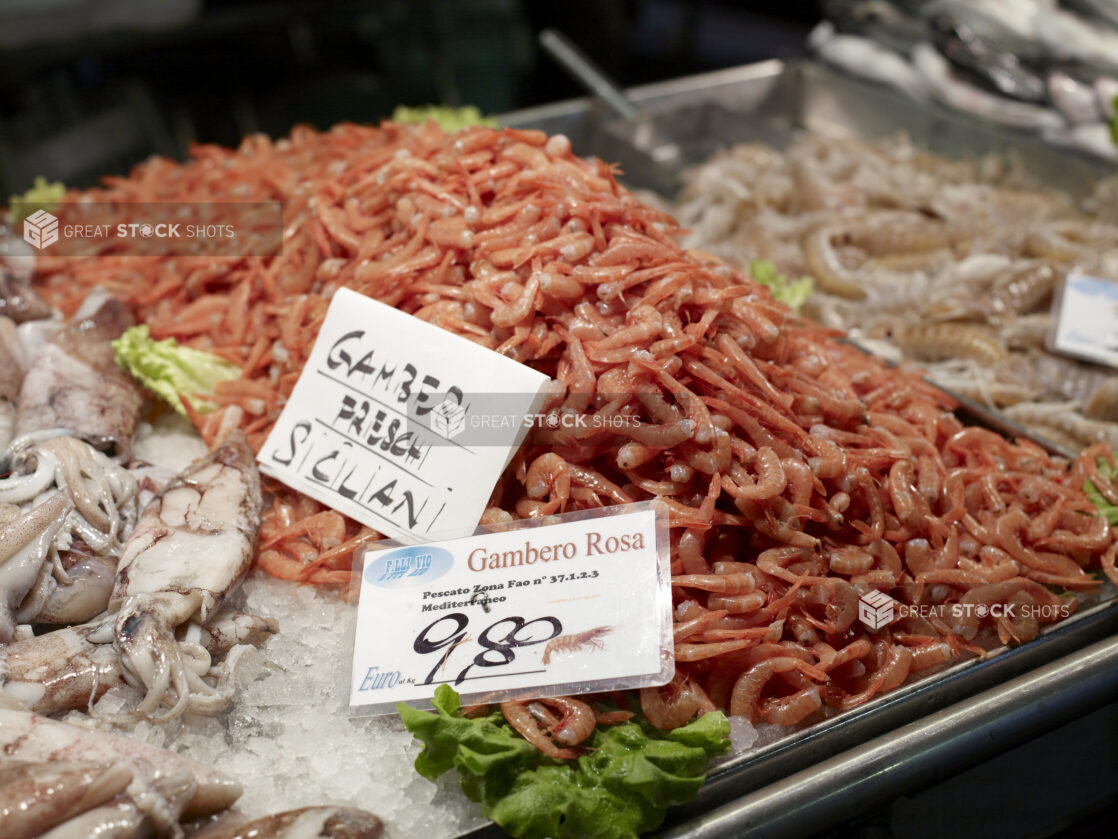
pixel 499 640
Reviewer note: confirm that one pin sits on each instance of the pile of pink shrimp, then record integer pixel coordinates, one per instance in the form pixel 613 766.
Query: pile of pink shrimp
pixel 798 473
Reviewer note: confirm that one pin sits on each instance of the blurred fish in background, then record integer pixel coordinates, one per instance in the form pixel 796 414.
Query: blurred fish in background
pixel 1047 67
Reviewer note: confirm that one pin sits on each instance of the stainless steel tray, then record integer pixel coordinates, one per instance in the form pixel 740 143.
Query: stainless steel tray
pixel 974 710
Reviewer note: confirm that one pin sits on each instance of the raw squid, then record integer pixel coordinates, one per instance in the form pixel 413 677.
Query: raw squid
pixel 192 546
pixel 84 592
pixel 25 544
pixel 102 491
pixel 952 90
pixel 305 823
pixel 119 819
pixel 75 385
pixel 11 376
pixel 18 300
pixel 71 667
pixel 163 785
pixel 35 797
pixel 103 505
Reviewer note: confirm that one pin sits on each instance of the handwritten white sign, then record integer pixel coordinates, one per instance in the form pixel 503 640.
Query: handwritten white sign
pixel 375 425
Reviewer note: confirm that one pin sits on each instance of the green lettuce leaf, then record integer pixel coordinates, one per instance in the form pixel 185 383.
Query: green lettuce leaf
pixel 1114 123
pixel 449 739
pixel 451 120
pixel 44 195
pixel 792 292
pixel 1108 510
pixel 170 370
pixel 622 787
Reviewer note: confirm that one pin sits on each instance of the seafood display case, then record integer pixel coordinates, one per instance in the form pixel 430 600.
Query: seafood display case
pixel 835 769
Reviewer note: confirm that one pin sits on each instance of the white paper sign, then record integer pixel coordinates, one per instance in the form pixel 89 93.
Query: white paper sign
pixel 1087 319
pixel 536 609
pixel 374 427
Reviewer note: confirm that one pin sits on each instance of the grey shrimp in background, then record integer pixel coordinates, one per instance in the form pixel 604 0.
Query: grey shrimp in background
pixel 950 264
pixel 211 513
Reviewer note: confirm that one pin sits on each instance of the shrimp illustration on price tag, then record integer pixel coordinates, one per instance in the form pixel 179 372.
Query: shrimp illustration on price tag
pixel 567 604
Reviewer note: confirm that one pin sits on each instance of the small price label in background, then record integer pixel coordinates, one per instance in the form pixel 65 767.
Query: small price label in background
pixel 574 604
pixel 1086 317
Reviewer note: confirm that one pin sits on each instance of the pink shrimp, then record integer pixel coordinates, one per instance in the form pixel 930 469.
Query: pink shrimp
pixel 831 659
pixel 675 704
pixel 840 602
pixel 691 552
pixel 613 717
pixel 549 476
pixel 976 603
pixel 792 709
pixel 714 649
pixel 738 604
pixel 770 478
pixel 775 562
pixel 849 560
pixel 1021 623
pixel 930 654
pixel 893 663
pixel 1107 563
pixel 553 735
pixel 738 583
pixel 745 700
pixel 1007 528
pixel 683 630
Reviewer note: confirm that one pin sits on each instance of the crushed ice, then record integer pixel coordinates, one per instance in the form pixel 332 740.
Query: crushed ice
pixel 289 738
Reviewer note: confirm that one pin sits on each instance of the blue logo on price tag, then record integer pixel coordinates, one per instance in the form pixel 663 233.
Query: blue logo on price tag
pixel 403 566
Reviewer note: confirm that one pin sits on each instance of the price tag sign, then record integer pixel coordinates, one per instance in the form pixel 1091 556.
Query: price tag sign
pixel 382 423
pixel 570 604
pixel 1087 319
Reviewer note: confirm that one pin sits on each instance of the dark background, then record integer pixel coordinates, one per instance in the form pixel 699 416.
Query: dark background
pixel 90 87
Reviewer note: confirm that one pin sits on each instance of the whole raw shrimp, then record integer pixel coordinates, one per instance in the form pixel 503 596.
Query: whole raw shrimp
pixel 549 477
pixel 554 735
pixel 676 703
